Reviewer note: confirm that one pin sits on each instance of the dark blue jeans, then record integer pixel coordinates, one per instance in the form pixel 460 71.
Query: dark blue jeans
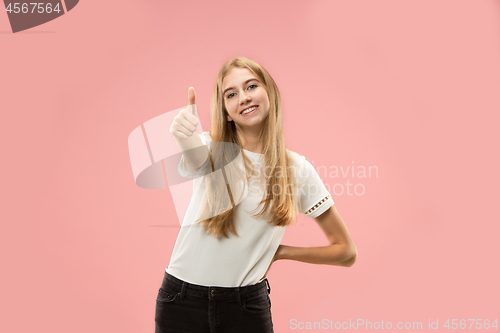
pixel 185 307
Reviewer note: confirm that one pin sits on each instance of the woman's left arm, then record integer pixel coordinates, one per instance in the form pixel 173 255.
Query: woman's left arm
pixel 341 251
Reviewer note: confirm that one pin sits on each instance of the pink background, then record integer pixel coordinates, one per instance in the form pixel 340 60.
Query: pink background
pixel 408 86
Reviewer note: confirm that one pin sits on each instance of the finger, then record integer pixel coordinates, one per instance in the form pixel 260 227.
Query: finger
pixel 191 96
pixel 186 124
pixel 182 132
pixel 180 135
pixel 189 116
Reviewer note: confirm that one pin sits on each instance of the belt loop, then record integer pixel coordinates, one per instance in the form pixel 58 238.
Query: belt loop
pixel 237 291
pixel 268 286
pixel 183 289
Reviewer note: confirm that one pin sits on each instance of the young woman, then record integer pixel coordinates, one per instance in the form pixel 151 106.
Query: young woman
pixel 216 280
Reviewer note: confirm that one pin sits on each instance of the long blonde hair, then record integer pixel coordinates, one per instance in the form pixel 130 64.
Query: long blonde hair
pixel 280 209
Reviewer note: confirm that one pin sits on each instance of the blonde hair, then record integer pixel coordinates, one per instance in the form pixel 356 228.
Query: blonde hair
pixel 280 209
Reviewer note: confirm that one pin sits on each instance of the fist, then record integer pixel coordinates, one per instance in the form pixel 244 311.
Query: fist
pixel 184 124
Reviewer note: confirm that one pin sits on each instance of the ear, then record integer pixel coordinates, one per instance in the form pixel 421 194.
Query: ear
pixel 229 118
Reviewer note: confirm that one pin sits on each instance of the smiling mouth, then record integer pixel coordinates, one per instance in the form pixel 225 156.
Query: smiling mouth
pixel 252 109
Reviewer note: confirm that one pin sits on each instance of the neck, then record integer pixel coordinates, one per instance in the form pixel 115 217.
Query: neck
pixel 250 140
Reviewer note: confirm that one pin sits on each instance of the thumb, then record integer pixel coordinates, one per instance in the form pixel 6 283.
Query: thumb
pixel 191 96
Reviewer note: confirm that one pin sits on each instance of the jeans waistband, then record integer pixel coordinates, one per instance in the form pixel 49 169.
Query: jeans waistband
pixel 214 292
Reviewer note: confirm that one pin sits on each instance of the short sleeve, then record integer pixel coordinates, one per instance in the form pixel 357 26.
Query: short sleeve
pixel 186 170
pixel 314 197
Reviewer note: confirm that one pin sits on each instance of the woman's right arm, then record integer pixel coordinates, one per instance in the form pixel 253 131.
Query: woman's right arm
pixel 183 129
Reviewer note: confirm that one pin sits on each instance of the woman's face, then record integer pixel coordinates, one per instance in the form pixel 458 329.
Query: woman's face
pixel 242 91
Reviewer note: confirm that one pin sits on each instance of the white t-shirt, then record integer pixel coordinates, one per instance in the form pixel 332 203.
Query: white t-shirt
pixel 201 258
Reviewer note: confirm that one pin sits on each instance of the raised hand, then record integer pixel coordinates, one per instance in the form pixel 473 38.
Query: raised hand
pixel 185 122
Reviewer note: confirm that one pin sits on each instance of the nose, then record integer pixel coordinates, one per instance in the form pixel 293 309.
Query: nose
pixel 244 98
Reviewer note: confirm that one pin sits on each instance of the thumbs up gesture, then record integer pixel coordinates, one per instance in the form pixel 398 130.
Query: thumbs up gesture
pixel 184 124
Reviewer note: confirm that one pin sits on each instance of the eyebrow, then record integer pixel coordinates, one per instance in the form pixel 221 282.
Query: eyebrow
pixel 224 93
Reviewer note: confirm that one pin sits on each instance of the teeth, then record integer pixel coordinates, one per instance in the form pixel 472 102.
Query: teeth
pixel 249 110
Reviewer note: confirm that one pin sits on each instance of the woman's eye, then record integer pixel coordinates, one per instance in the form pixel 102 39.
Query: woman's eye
pixel 252 86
